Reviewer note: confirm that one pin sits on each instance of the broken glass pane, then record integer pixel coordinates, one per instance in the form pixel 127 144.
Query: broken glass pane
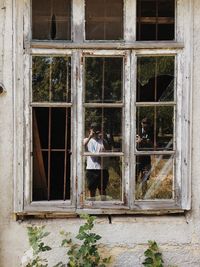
pixel 155 78
pixel 51 20
pixel 51 153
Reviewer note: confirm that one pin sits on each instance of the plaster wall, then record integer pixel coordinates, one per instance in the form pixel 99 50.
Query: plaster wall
pixel 126 237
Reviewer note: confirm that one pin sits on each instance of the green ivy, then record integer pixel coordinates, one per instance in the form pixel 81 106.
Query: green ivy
pixel 85 254
pixel 153 256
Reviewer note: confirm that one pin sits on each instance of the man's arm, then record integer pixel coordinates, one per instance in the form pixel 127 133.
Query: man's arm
pixel 87 139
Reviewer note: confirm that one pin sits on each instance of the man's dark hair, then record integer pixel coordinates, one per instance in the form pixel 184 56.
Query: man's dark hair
pixel 95 126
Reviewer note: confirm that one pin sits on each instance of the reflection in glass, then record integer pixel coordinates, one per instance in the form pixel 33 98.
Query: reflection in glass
pixel 155 78
pixel 51 153
pixel 51 20
pixel 104 19
pixel 155 20
pixel 155 128
pixel 108 127
pixel 103 178
pixel 154 176
pixel 103 79
pixel 51 80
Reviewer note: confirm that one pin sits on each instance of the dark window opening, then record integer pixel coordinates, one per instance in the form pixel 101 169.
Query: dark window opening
pixel 51 19
pixel 155 20
pixel 104 19
pixel 51 153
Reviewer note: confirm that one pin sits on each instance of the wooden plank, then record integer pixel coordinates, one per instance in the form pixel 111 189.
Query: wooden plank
pixel 18 103
pixel 187 72
pixel 40 179
pixel 160 104
pixel 105 45
pixel 103 105
pixel 48 104
pixel 156 20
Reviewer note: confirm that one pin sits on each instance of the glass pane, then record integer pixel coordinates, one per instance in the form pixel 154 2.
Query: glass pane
pixel 104 19
pixel 150 15
pixel 51 20
pixel 103 178
pixel 51 80
pixel 103 79
pixel 103 127
pixel 51 153
pixel 155 128
pixel 155 78
pixel 154 177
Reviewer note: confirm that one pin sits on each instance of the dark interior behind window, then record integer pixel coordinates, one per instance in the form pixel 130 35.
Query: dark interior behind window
pixel 155 20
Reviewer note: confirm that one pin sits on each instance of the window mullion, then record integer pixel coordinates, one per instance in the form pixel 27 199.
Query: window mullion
pixel 74 90
pixel 79 129
pixel 128 196
pixel 129 20
pixel 133 85
pixel 78 18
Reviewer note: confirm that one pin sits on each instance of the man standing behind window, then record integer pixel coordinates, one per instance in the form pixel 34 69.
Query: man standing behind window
pixel 96 174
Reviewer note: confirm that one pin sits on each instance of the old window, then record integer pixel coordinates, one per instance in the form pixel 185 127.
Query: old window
pixel 106 113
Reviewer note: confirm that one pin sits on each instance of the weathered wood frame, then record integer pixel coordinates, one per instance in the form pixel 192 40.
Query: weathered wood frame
pixel 23 48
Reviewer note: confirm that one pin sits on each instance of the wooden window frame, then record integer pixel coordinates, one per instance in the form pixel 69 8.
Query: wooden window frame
pixel 25 48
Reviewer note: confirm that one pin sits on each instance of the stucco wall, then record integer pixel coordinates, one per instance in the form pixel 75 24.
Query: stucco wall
pixel 126 238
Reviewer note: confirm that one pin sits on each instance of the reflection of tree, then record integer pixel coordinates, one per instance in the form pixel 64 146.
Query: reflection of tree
pixel 110 120
pixel 149 67
pixel 103 79
pixel 51 79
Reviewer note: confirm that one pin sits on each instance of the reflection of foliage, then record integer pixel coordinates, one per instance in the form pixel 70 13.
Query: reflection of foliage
pixel 103 79
pixel 51 79
pixel 148 67
pixel 110 120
